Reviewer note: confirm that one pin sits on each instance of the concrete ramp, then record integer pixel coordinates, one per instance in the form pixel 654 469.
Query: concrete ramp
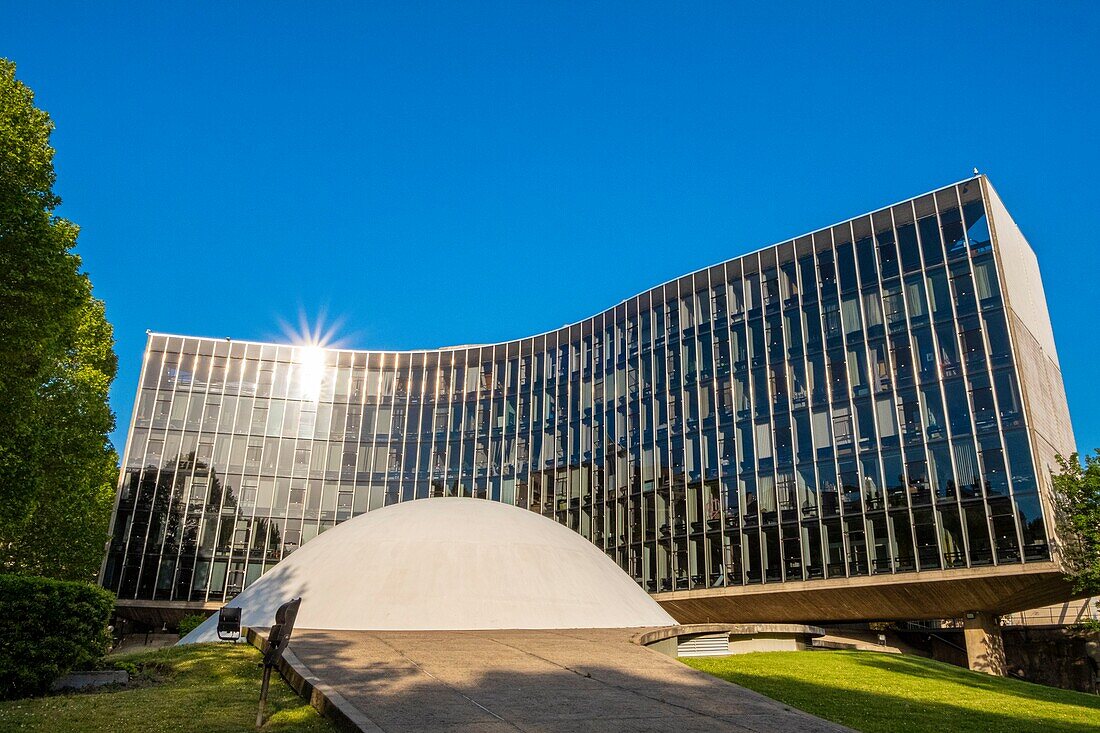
pixel 537 680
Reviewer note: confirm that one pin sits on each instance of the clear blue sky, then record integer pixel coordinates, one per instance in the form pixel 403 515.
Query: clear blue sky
pixel 438 173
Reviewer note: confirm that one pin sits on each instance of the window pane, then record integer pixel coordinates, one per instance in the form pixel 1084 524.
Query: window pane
pixel 930 241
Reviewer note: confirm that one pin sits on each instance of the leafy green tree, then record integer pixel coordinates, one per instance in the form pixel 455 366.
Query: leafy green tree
pixel 1077 497
pixel 57 360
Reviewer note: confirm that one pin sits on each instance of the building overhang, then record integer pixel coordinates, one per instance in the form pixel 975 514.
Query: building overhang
pixel 926 595
pixel 159 613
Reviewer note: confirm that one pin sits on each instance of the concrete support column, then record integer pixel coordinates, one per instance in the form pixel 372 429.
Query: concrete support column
pixel 985 649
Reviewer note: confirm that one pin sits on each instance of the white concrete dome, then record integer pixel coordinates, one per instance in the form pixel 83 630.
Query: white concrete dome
pixel 448 564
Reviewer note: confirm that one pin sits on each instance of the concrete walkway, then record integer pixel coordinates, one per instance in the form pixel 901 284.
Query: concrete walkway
pixel 551 680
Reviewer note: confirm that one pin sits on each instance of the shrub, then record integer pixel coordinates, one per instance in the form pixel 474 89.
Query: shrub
pixel 48 627
pixel 188 623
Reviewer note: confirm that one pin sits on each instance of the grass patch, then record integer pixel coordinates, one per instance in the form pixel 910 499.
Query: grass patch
pixel 889 693
pixel 201 688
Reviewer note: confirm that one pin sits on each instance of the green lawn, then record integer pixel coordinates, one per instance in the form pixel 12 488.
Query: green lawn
pixel 204 688
pixel 890 693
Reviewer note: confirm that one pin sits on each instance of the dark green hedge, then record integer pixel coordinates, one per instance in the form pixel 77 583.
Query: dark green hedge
pixel 48 627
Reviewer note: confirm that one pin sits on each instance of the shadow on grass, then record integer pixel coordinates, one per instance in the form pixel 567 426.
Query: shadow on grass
pixel 938 700
pixel 207 688
pixel 955 675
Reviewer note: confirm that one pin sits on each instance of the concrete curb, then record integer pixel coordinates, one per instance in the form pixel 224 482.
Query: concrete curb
pixel 82 680
pixel 327 701
pixel 651 636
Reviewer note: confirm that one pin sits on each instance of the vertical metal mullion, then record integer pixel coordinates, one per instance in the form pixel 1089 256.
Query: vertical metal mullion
pixel 430 392
pixel 413 427
pixel 282 438
pixel 889 343
pixel 663 451
pixel 497 433
pixel 449 426
pixel 198 433
pixel 629 492
pixel 787 339
pixel 917 383
pixel 405 447
pixel 891 536
pixel 685 313
pixel 921 401
pixel 562 467
pixel 601 498
pixel 232 432
pixel 244 471
pixel 708 539
pixel 728 533
pixel 501 373
pixel 371 467
pixel 524 424
pixel 175 464
pixel 871 392
pixel 176 477
pixel 860 473
pixel 771 428
pixel 477 416
pixel 643 568
pixel 820 325
pixel 964 376
pixel 750 388
pixel 205 518
pixel 553 368
pixel 829 393
pixel 697 345
pixel 845 339
pixel 796 463
pixel 341 482
pixel 992 387
pixel 210 467
pixel 649 573
pixel 446 398
pixel 460 393
pixel 939 367
pixel 746 301
pixel 388 398
pixel 538 423
pixel 365 443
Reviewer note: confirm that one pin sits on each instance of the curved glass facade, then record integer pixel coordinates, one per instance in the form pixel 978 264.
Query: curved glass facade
pixel 846 403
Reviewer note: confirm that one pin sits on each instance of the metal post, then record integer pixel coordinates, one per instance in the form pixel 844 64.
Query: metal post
pixel 263 696
pixel 277 639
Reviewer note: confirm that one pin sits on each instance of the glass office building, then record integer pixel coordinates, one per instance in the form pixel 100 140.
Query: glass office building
pixel 877 398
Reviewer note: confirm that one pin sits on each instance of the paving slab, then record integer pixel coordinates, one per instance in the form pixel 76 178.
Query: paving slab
pixel 568 681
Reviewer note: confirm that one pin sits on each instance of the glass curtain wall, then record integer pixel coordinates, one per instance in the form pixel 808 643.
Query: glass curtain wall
pixel 842 404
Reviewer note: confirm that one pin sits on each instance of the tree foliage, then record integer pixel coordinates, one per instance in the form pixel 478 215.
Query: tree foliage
pixel 1077 497
pixel 57 466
